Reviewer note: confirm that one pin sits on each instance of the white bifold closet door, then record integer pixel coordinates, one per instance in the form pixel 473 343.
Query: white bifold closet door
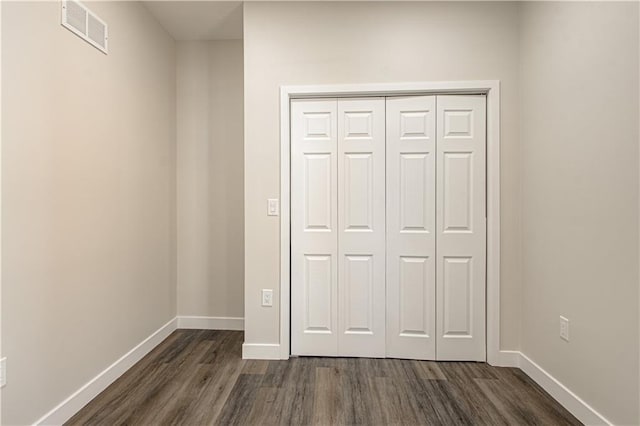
pixel 388 227
pixel 338 227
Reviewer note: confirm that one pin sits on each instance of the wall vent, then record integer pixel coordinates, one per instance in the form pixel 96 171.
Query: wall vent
pixel 85 24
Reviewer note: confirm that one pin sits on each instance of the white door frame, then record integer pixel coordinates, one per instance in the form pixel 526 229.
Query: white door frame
pixel 492 90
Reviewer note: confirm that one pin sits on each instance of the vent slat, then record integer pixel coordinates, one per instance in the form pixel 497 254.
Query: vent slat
pixel 97 31
pixel 76 16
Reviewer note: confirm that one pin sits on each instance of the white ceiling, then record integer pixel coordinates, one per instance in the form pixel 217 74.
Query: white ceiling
pixel 199 20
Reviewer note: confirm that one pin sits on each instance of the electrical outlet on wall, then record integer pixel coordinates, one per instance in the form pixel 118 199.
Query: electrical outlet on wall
pixel 564 328
pixel 3 372
pixel 267 297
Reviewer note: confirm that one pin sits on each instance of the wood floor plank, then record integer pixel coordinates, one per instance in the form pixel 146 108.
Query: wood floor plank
pixel 357 402
pixel 198 377
pixel 429 370
pixel 327 404
pixel 396 410
pixel 223 375
pixel 254 366
pixel 264 403
pixel 438 402
pixel 296 399
pixel 236 410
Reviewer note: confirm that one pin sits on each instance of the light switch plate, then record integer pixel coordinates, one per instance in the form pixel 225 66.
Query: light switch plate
pixel 273 207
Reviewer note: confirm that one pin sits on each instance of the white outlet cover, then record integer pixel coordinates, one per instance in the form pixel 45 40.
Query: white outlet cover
pixel 267 297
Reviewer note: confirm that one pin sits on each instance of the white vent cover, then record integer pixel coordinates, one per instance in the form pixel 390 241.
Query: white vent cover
pixel 85 24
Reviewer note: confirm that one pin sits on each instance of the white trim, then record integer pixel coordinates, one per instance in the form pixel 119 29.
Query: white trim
pixel 285 226
pixel 489 87
pixel 389 89
pixel 260 351
pixel 70 406
pixel 493 225
pixel 210 323
pixel 569 400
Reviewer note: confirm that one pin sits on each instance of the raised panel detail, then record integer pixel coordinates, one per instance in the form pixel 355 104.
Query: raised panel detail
pixel 358 282
pixel 358 125
pixel 317 289
pixel 458 123
pixel 317 192
pixel 414 124
pixel 458 189
pixel 457 296
pixel 415 177
pixel 414 296
pixel 317 125
pixel 358 181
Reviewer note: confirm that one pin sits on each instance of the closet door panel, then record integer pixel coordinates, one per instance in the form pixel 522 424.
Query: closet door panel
pixel 461 221
pixel 361 227
pixel 411 244
pixel 314 228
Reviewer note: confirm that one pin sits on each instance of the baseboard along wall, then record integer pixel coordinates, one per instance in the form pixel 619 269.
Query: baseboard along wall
pixel 269 351
pixel 210 323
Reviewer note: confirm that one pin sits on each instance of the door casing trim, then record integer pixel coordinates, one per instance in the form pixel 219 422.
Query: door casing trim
pixel 490 88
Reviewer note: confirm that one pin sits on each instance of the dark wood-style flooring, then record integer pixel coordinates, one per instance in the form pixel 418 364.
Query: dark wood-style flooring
pixel 197 377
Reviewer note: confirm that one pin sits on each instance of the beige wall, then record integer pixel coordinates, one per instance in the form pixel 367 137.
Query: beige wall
pixel 88 196
pixel 210 179
pixel 580 198
pixel 369 43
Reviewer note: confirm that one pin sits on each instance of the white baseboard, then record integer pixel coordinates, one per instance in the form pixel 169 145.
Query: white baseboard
pixel 569 400
pixel 210 323
pixel 70 406
pixel 261 351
